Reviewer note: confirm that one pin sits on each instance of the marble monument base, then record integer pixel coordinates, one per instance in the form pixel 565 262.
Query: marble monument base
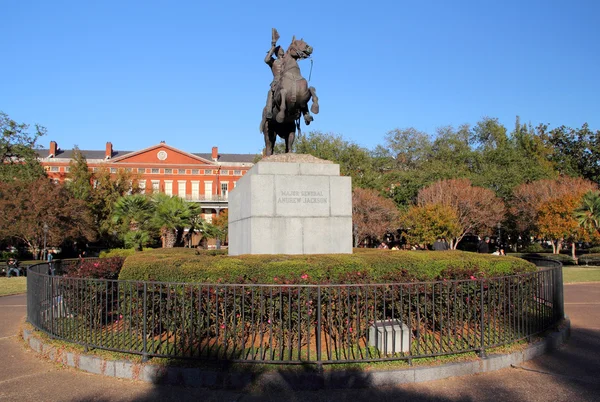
pixel 291 204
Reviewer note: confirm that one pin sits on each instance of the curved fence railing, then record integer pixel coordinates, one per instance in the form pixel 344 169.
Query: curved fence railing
pixel 295 324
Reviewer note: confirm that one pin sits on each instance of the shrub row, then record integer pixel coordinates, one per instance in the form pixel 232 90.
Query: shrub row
pixel 363 266
pixel 562 258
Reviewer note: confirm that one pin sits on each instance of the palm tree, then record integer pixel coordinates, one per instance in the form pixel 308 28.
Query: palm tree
pixel 133 212
pixel 588 214
pixel 171 215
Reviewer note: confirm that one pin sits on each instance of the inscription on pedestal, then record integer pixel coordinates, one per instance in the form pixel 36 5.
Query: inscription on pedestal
pixel 302 197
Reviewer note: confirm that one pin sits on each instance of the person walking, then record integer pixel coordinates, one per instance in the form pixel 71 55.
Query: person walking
pixel 438 245
pixel 484 246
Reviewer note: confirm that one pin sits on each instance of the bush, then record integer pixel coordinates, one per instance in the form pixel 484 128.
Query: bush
pixel 5 255
pixel 364 266
pixel 562 258
pixel 96 268
pixel 117 252
pixel 535 248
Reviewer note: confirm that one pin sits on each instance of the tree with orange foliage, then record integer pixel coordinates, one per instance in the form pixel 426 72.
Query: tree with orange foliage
pixel 372 215
pixel 556 221
pixel 528 199
pixel 477 209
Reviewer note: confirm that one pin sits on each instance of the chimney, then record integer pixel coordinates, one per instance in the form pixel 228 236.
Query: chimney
pixel 53 149
pixel 215 153
pixel 109 150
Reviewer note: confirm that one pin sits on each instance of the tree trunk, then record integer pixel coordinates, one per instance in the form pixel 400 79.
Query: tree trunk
pixel 170 238
pixel 573 252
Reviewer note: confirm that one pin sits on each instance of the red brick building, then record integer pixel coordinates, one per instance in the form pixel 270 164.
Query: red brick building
pixel 196 177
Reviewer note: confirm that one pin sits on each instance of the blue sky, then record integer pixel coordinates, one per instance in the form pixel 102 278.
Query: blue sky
pixel 191 73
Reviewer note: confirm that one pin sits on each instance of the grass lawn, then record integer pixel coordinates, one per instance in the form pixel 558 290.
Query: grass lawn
pixel 573 275
pixel 13 286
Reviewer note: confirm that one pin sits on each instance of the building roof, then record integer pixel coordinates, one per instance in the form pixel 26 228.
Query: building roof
pixel 96 154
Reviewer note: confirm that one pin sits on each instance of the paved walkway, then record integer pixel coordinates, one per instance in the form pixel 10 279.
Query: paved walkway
pixel 569 374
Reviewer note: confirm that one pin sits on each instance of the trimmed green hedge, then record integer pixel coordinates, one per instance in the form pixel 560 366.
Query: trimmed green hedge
pixel 363 266
pixel 563 258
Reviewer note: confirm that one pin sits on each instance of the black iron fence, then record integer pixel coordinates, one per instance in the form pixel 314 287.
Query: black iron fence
pixel 292 324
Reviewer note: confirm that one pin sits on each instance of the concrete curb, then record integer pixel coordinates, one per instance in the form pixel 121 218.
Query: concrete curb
pixel 284 379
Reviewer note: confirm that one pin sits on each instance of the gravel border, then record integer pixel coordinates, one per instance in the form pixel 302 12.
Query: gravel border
pixel 290 379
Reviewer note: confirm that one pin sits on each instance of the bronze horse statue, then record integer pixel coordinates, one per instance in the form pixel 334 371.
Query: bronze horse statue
pixel 290 97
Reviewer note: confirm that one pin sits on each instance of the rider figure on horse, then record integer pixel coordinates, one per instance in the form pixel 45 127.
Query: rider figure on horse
pixel 276 65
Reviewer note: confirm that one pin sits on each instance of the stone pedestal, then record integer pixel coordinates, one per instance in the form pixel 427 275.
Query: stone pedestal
pixel 291 204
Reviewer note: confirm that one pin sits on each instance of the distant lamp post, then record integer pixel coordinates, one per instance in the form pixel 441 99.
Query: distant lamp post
pixel 45 228
pixel 499 226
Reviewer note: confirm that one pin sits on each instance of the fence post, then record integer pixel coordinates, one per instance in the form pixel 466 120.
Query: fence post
pixel 51 305
pixel 482 321
pixel 557 299
pixel 318 331
pixel 145 331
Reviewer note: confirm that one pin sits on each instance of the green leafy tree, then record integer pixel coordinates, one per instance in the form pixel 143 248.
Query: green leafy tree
pixel 79 181
pixel 408 147
pixel 587 213
pixel 575 152
pixel 133 213
pixel 171 215
pixel 354 161
pixel 108 189
pixel 18 158
pixel 426 223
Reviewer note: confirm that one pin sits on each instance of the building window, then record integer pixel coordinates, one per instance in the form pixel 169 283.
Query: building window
pixel 224 188
pixel 54 168
pixel 67 169
pixel 168 171
pixel 95 184
pixel 224 172
pixel 154 171
pixel 207 171
pixel 195 171
pixel 181 171
pixel 113 170
pixel 141 170
pixel 169 187
pixel 208 190
pixel 195 190
pixel 181 185
pixel 142 186
pixel 155 186
pixel 237 172
pixel 128 170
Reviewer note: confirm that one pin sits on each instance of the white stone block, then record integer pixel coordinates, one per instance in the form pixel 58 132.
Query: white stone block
pixel 320 169
pixel 341 196
pixel 291 208
pixel 390 336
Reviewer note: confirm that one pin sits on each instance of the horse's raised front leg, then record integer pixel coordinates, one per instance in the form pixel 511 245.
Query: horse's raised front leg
pixel 281 115
pixel 307 117
pixel 315 105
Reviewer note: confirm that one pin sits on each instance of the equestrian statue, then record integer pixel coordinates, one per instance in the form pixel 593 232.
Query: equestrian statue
pixel 289 94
